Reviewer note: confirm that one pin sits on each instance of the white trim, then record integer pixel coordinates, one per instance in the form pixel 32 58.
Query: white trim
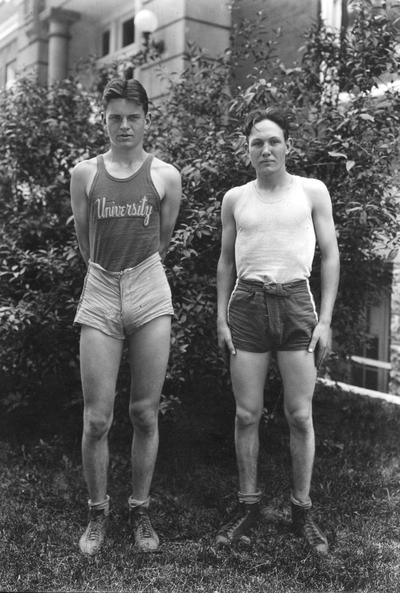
pixel 10 73
pixel 375 91
pixel 120 54
pixel 331 13
pixel 371 362
pixel 230 299
pixel 393 399
pixel 383 87
pixel 117 15
pixel 312 299
pixel 9 26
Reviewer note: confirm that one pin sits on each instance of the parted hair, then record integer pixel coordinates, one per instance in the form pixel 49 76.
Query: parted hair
pixel 131 90
pixel 274 114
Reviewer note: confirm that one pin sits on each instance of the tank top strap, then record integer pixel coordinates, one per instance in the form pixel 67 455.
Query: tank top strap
pixel 100 163
pixel 147 167
pixel 100 170
pixel 143 169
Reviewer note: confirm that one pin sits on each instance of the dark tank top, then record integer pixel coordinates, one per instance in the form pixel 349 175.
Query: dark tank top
pixel 124 218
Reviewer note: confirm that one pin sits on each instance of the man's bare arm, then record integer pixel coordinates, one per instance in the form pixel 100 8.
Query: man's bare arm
pixel 226 273
pixel 169 206
pixel 330 263
pixel 79 204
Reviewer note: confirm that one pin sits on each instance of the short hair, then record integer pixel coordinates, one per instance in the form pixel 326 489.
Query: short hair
pixel 131 90
pixel 274 114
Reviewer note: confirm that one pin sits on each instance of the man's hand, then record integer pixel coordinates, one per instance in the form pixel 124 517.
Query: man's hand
pixel 225 343
pixel 320 342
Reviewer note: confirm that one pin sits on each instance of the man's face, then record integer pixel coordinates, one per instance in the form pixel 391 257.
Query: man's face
pixel 267 147
pixel 126 123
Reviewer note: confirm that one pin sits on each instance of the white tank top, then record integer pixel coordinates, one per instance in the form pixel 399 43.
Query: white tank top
pixel 275 240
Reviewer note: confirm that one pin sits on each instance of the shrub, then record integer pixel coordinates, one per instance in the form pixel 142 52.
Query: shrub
pixel 351 145
pixel 348 141
pixel 43 134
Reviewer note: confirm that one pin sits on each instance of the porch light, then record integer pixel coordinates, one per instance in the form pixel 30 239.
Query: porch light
pixel 146 22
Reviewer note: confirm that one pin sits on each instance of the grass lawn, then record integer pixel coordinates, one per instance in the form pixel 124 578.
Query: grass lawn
pixel 356 490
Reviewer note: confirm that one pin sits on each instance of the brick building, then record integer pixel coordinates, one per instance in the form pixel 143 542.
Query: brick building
pixel 48 37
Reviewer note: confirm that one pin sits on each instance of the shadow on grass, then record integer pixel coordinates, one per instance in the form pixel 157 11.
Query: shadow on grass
pixel 356 489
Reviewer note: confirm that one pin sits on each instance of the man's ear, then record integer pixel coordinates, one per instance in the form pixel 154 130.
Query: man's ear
pixel 289 145
pixel 148 120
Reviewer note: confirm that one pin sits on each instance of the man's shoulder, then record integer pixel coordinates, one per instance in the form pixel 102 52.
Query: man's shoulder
pixel 317 193
pixel 235 193
pixel 312 186
pixel 85 167
pixel 165 169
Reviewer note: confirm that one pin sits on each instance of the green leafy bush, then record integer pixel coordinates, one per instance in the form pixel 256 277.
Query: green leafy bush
pixel 43 134
pixel 343 135
pixel 350 144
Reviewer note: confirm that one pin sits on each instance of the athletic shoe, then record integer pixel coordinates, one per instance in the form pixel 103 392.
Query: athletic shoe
pixel 244 519
pixel 93 538
pixel 304 526
pixel 145 536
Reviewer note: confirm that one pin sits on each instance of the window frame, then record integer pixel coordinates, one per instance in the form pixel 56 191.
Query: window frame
pixel 115 27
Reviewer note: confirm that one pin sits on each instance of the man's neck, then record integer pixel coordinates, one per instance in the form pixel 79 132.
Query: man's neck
pixel 126 158
pixel 274 181
pixel 123 163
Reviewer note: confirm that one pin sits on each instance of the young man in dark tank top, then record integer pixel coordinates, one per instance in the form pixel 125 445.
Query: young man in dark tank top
pixel 269 230
pixel 125 203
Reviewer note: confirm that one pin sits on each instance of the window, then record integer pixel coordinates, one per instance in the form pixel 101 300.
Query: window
pixel 105 43
pixel 364 373
pixel 128 32
pixel 116 35
pixel 370 367
pixel 331 13
pixel 10 73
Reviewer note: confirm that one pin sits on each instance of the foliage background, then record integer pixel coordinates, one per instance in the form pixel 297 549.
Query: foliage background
pixel 350 142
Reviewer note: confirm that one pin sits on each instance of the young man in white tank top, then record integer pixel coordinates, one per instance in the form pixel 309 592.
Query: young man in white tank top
pixel 125 204
pixel 269 229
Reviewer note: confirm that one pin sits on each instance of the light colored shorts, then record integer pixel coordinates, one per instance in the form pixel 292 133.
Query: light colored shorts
pixel 119 303
pixel 265 317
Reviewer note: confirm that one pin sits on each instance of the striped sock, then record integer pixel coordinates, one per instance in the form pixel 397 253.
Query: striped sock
pixel 103 505
pixel 299 503
pixel 250 498
pixel 133 503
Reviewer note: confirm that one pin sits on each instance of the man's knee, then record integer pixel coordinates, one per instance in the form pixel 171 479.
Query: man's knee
pixel 96 425
pixel 144 416
pixel 246 417
pixel 299 420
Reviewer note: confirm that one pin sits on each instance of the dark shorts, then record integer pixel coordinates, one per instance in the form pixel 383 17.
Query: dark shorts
pixel 264 317
pixel 118 303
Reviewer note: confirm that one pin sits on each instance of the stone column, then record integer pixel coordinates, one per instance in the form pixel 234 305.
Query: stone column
pixel 59 22
pixel 32 41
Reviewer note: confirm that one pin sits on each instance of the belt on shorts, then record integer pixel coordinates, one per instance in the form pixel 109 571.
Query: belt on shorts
pixel 284 289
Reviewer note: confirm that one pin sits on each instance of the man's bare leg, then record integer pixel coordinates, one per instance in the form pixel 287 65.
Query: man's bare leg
pixel 100 359
pixel 248 373
pixel 148 355
pixel 299 375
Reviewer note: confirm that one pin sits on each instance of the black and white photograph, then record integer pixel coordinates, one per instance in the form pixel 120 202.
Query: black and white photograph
pixel 200 296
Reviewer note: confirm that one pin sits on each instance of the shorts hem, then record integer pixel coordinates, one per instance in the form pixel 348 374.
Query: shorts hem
pixel 251 348
pixel 256 350
pixel 294 348
pixel 147 319
pixel 100 328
